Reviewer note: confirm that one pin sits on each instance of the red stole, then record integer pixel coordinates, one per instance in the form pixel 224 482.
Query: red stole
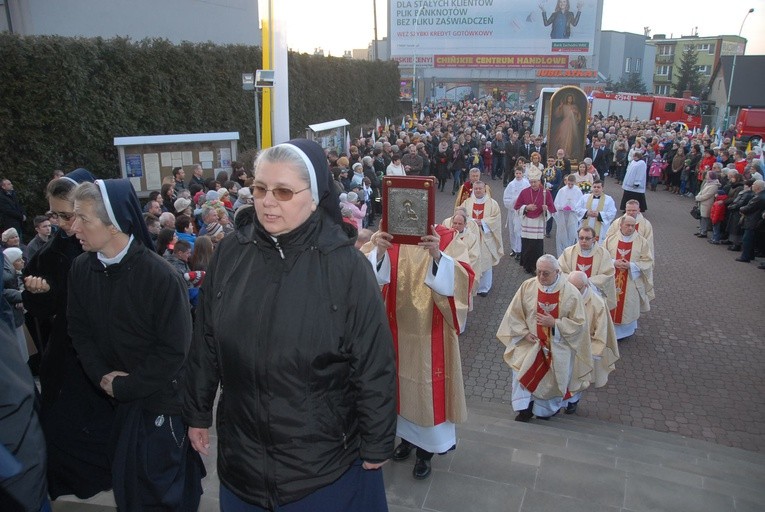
pixel 477 212
pixel 546 303
pixel 624 251
pixel 437 352
pixel 584 264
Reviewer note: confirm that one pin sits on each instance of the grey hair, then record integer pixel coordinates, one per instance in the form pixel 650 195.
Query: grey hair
pixel 90 192
pixel 283 154
pixel 549 258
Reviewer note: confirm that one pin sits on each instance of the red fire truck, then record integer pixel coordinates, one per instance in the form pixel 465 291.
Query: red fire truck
pixel 645 107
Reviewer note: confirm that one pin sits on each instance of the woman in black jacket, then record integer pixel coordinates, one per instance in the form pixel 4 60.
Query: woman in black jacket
pixel 292 326
pixel 75 415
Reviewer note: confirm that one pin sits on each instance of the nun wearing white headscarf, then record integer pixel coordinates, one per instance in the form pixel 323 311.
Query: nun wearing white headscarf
pixel 291 324
pixel 130 322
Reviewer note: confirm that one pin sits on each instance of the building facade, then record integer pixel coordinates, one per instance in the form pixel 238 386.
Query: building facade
pixel 222 21
pixel 669 53
pixel 623 53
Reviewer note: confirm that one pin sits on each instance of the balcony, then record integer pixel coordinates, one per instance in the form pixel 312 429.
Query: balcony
pixel 665 59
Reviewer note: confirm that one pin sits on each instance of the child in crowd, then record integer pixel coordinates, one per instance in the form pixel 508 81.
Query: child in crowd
pixel 717 216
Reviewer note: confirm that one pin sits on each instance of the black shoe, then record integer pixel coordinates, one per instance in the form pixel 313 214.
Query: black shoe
pixel 734 248
pixel 713 242
pixel 726 242
pixel 421 469
pixel 402 451
pixel 761 266
pixel 701 236
pixel 742 260
pixel 571 408
pixel 483 294
pixel 524 416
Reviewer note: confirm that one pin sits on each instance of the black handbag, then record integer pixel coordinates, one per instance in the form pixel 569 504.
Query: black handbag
pixel 696 211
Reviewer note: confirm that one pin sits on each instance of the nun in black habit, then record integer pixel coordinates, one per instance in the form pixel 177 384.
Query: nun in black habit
pixel 131 326
pixel 76 415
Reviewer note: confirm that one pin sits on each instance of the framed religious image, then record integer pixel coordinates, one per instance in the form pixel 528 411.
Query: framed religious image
pixel 409 207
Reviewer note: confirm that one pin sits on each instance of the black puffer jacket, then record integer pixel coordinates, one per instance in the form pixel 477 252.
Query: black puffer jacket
pixel 295 331
pixel 133 317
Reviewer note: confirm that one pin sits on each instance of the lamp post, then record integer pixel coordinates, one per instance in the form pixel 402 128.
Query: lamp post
pixel 732 72
pixel 414 61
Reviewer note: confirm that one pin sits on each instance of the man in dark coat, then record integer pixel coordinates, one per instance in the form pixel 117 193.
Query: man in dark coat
pixel 12 214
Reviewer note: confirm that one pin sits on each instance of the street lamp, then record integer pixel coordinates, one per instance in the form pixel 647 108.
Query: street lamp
pixel 732 72
pixel 414 62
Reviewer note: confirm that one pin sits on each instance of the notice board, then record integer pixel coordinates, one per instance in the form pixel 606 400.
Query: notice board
pixel 148 161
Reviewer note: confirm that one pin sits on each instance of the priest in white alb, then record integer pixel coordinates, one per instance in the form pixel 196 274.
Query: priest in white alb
pixel 512 191
pixel 594 260
pixel 596 210
pixel 605 350
pixel 634 276
pixel 642 225
pixel 486 212
pixel 547 343
pixel 566 219
pixel 426 289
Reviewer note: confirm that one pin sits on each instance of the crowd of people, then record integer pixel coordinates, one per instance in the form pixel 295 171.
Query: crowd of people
pixel 352 336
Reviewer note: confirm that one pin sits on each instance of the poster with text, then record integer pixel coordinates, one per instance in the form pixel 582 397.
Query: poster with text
pixel 495 33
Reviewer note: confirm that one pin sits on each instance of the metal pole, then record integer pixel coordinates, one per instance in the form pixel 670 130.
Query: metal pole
pixel 374 6
pixel 732 72
pixel 414 62
pixel 8 16
pixel 257 118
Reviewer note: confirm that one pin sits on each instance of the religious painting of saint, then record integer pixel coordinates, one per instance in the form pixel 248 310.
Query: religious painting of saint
pixel 409 207
pixel 568 122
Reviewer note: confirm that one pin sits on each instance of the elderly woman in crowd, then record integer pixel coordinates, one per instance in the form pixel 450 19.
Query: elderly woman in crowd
pixel 706 197
pixel 292 326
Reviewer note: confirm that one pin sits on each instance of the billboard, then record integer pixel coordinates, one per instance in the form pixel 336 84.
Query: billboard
pixel 541 34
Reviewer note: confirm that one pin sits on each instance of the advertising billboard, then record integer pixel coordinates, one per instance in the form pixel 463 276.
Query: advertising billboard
pixel 540 34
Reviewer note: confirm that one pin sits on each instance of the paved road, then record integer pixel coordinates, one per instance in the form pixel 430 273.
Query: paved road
pixel 695 367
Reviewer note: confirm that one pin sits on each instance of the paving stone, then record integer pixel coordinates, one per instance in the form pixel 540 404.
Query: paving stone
pixel 645 493
pixel 451 492
pixel 538 501
pixel 495 463
pixel 595 484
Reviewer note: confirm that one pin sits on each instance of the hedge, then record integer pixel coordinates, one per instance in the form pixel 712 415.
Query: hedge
pixel 63 100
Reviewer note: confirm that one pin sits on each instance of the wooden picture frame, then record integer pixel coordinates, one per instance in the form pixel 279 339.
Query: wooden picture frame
pixel 409 207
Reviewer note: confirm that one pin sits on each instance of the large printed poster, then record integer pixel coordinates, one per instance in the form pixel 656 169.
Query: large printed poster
pixel 553 34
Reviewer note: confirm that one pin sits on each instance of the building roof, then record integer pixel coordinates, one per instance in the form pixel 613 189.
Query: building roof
pixel 747 81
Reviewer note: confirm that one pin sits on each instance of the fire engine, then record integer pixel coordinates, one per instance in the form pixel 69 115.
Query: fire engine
pixel 644 107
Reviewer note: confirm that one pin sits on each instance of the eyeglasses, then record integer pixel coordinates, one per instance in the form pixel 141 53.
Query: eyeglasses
pixel 545 273
pixel 67 216
pixel 280 193
pixel 585 238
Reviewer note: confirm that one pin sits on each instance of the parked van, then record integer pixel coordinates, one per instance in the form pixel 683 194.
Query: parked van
pixel 750 126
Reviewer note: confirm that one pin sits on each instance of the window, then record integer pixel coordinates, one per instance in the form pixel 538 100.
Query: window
pixel 638 63
pixel 662 70
pixel 691 109
pixel 666 49
pixel 661 90
pixel 711 49
pixel 627 65
pixel 704 70
pixel 706 47
pixel 670 106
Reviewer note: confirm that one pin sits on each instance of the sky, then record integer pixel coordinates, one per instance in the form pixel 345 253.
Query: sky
pixel 339 25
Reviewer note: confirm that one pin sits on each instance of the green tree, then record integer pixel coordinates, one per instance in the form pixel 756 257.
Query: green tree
pixel 688 77
pixel 610 85
pixel 631 82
